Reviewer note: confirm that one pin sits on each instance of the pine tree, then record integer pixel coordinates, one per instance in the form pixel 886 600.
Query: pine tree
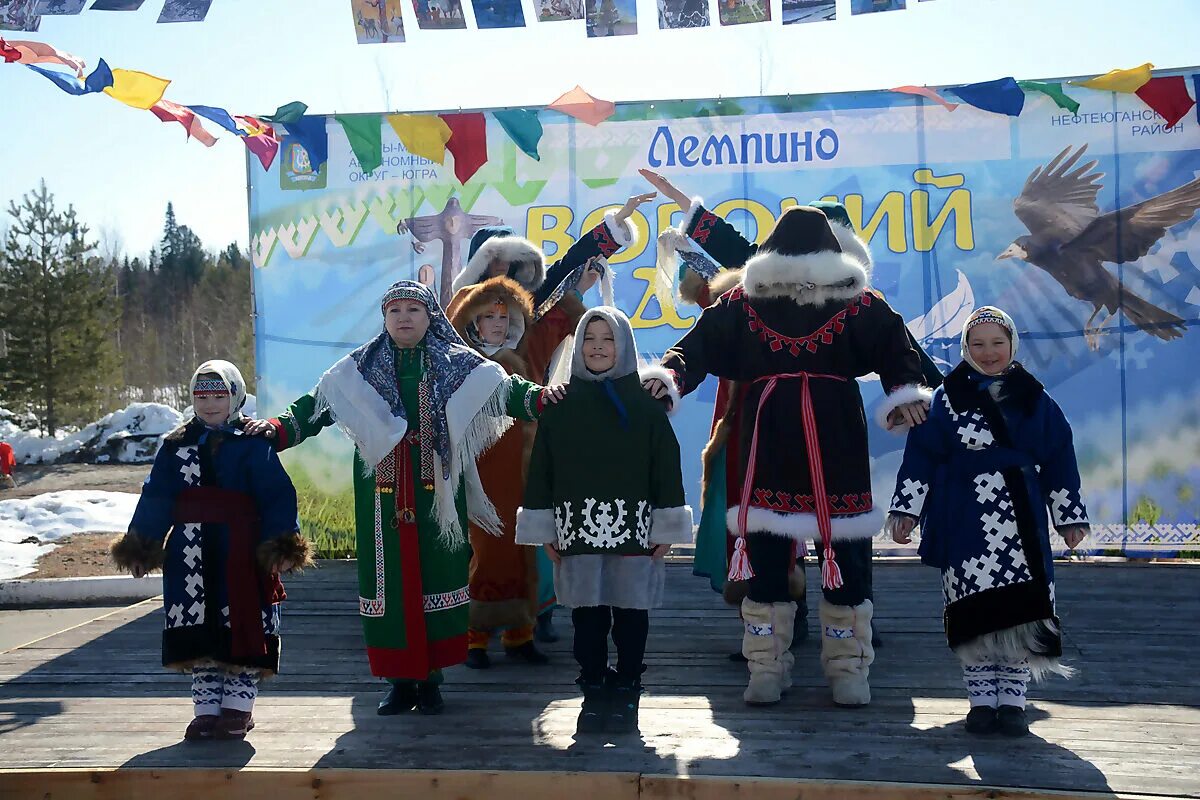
pixel 60 309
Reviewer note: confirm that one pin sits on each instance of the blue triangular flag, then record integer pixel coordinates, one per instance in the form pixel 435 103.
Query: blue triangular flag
pixel 219 116
pixel 310 132
pixel 1001 96
pixel 100 79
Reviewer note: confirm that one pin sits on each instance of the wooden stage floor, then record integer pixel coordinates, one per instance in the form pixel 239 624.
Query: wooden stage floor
pixel 93 698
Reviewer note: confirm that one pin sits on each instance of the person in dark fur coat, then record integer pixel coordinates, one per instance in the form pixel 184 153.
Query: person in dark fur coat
pixel 230 511
pixel 798 331
pixel 980 475
pixel 686 250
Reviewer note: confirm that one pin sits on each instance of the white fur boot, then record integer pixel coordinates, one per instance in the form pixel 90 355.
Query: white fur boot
pixel 761 648
pixel 846 652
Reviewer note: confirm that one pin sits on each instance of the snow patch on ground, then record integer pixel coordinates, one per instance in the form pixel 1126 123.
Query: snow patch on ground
pixel 129 436
pixel 29 528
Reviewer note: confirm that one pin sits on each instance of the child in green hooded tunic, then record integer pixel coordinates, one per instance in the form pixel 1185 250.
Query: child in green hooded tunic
pixel 605 497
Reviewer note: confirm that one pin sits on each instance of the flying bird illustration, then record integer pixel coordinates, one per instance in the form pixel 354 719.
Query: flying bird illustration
pixel 1071 240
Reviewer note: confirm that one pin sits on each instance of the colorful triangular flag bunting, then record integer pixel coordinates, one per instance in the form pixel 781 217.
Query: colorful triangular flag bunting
pixel 1168 96
pixel 467 143
pixel 1052 90
pixel 136 89
pixel 288 113
pixel 167 111
pixel 423 135
pixel 582 106
pixel 1001 96
pixel 523 127
pixel 366 139
pixel 219 116
pixel 928 94
pixel 312 135
pixel 100 79
pixel 260 139
pixel 1127 81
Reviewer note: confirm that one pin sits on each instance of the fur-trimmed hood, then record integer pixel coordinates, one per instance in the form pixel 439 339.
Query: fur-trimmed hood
pixel 527 263
pixel 479 298
pixel 803 260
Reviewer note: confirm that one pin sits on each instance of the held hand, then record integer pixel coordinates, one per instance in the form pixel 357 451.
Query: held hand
pixel 260 427
pixel 656 388
pixel 901 526
pixel 632 203
pixel 660 551
pixel 667 188
pixel 552 394
pixel 1073 535
pixel 910 414
pixel 552 552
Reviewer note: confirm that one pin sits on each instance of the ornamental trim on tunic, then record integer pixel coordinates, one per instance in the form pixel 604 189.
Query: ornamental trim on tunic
pixel 821 336
pixel 444 601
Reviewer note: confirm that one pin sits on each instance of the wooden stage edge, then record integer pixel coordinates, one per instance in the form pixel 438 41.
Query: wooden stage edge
pixel 383 784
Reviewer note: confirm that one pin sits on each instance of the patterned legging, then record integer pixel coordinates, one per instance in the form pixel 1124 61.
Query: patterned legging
pixel 213 689
pixel 997 682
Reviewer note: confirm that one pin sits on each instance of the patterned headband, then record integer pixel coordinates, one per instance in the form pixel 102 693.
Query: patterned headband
pixel 210 387
pixel 989 314
pixel 405 293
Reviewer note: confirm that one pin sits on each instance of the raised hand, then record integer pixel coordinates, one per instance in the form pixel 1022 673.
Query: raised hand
pixel 632 204
pixel 668 189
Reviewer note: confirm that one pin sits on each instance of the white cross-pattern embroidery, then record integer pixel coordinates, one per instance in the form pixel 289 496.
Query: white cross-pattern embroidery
pixel 760 630
pixel 1003 559
pixel 910 496
pixel 192 556
pixel 974 432
pixel 838 633
pixel 642 521
pixel 602 526
pixel 175 616
pixel 444 601
pixel 194 584
pixel 1066 508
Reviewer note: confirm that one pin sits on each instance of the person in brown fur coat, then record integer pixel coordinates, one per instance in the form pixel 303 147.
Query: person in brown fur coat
pixel 495 318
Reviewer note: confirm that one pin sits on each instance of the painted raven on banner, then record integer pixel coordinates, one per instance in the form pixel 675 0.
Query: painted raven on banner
pixel 1070 239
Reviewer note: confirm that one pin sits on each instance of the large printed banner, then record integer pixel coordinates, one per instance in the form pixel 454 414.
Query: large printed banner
pixel 960 209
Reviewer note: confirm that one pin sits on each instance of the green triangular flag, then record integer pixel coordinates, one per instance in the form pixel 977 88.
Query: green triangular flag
pixel 365 133
pixel 1054 91
pixel 292 112
pixel 523 127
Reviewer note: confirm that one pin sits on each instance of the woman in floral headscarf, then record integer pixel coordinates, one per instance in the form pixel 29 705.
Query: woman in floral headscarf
pixel 420 406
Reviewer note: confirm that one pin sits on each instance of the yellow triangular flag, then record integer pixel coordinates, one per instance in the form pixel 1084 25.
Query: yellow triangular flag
pixel 136 89
pixel 422 135
pixel 1120 80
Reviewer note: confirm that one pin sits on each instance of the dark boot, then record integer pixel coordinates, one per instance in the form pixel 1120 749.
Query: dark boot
pixel 1011 721
pixel 528 653
pixel 593 715
pixel 201 727
pixel 429 698
pixel 544 630
pixel 400 698
pixel 623 700
pixel 478 658
pixel 981 720
pixel 233 724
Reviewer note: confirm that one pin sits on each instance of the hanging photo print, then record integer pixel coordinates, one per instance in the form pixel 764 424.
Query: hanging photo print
pixel 498 13
pixel 795 11
pixel 611 18
pixel 742 12
pixel 18 15
pixel 682 14
pixel 116 5
pixel 58 8
pixel 377 21
pixel 435 15
pixel 184 11
pixel 555 10
pixel 875 6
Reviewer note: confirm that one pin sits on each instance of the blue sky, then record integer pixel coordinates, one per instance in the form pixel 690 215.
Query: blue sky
pixel 120 166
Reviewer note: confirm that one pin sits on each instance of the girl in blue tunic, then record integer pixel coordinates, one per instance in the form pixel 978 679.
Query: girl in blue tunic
pixel 979 476
pixel 230 511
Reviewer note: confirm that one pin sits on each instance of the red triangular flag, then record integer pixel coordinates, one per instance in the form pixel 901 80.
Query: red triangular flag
pixel 1168 96
pixel 468 143
pixel 260 139
pixel 173 112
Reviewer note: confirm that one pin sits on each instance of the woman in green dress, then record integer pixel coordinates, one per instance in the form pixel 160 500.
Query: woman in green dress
pixel 420 407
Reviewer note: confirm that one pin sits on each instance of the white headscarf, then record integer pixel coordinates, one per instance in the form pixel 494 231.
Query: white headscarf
pixel 231 377
pixel 989 314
